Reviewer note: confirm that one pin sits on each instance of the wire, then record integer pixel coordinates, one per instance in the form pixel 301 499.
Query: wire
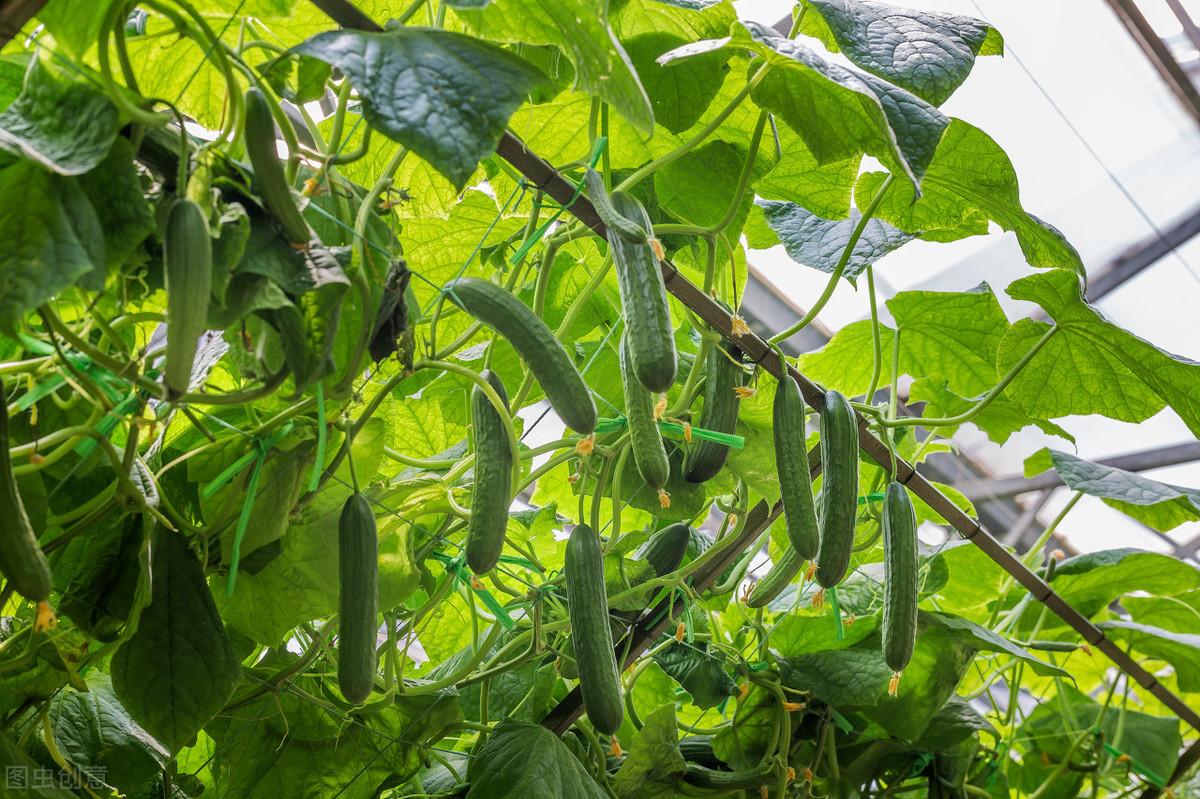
pixel 1116 181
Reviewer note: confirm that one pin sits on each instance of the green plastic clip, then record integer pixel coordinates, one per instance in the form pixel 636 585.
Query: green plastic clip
pixel 454 566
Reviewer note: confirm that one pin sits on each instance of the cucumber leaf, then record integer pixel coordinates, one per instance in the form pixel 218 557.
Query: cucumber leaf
pixel 178 670
pixel 929 54
pixel 523 759
pixel 444 95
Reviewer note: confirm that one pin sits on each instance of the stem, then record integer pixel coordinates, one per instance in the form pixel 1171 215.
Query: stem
pixel 985 400
pixel 744 178
pixel 839 269
pixel 876 344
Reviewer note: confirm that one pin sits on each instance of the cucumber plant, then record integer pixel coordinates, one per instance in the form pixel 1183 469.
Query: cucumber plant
pixel 386 402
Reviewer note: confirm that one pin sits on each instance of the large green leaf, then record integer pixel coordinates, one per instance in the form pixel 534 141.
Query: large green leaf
pixel 523 759
pixel 927 53
pixel 698 188
pixel 1091 365
pixel 1181 650
pixel 52 239
pixel 820 243
pixel 678 92
pixel 982 639
pixel 74 26
pixel 35 127
pixel 1177 614
pixel 1089 582
pixel 824 189
pixel 95 734
pixel 115 191
pixel 444 95
pixel 1159 505
pixel 840 113
pixel 969 180
pixel 582 31
pixel 178 670
pixel 950 336
pixel 654 758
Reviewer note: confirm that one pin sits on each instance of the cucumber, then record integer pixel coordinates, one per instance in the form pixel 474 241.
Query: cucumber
pixel 187 267
pixel 616 222
pixel 649 451
pixel 269 178
pixel 545 356
pixel 666 548
pixel 725 374
pixel 22 561
pixel 781 574
pixel 358 598
pixel 900 577
pixel 839 488
pixel 716 779
pixel 791 465
pixel 491 493
pixel 698 749
pixel 587 606
pixel 644 299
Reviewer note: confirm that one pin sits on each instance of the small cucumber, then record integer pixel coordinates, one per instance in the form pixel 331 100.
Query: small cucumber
pixel 544 354
pixel 899 577
pixel 718 780
pixel 587 606
pixel 358 598
pixel 778 578
pixel 725 375
pixel 644 299
pixel 22 561
pixel 269 177
pixel 791 465
pixel 839 488
pixel 649 451
pixel 187 266
pixel 616 222
pixel 491 493
pixel 666 548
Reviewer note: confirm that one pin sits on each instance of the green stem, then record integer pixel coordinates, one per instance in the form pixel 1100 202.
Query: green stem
pixel 876 344
pixel 839 269
pixel 743 183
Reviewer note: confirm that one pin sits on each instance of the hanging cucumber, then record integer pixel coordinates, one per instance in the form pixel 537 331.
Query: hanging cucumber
pixel 616 222
pixel 724 377
pixel 587 606
pixel 187 266
pixel 665 549
pixel 22 561
pixel 791 464
pixel 649 451
pixel 491 493
pixel 778 578
pixel 269 177
pixel 900 579
pixel 358 598
pixel 545 356
pixel 839 488
pixel 644 299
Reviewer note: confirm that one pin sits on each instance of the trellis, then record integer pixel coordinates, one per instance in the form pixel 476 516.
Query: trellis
pixel 14 14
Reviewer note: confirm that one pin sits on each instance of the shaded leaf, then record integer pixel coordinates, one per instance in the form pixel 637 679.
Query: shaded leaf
pixel 34 125
pixel 178 670
pixel 821 243
pixel 1181 650
pixel 524 759
pixel 582 31
pixel 927 53
pixel 701 673
pixel 444 95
